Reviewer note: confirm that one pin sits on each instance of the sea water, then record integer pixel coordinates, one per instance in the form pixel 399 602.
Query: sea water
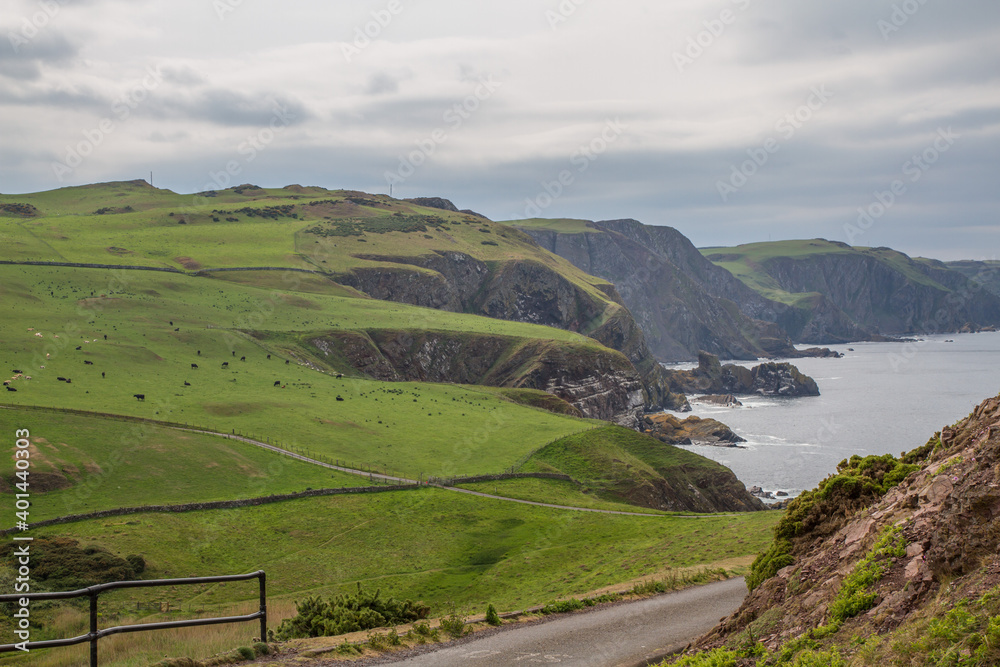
pixel 880 398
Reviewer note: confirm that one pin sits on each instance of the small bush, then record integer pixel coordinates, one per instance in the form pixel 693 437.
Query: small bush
pixel 260 648
pixel 246 653
pixel 492 617
pixel 454 625
pixel 348 613
pixel 137 562
pixel 562 606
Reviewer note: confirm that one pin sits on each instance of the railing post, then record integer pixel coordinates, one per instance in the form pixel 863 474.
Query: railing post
pixel 263 607
pixel 93 628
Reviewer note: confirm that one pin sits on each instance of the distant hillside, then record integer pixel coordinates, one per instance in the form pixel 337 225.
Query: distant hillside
pixel 986 273
pixel 683 302
pixel 843 293
pixel 889 562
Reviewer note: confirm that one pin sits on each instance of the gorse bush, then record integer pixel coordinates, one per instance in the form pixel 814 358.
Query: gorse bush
pixel 492 617
pixel 348 613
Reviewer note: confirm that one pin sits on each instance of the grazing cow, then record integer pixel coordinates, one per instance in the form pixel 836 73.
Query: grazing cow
pixel 177 329
pixel 340 398
pixel 141 397
pixel 339 375
pixel 234 352
pixel 194 365
pixel 286 362
pixel 269 356
pixel 171 323
pixel 277 383
pixel 15 371
pixel 243 358
pixel 89 363
pixel 186 383
pixel 68 381
pixel 105 336
pixel 199 353
pixel 6 382
pixel 11 389
pixel 102 374
pixel 225 364
pixel 79 347
pixel 61 379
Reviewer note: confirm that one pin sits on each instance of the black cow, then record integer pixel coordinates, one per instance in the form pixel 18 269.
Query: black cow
pixel 269 356
pixel 186 383
pixel 15 371
pixel 177 329
pixel 194 365
pixel 141 397
pixel 286 362
pixel 340 398
pixel 225 364
pixel 11 389
pixel 277 383
pixel 234 352
pixel 88 363
pixel 68 381
pixel 102 373
pixel 61 379
pixel 171 323
pixel 199 353
pixel 79 347
pixel 243 358
pixel 105 336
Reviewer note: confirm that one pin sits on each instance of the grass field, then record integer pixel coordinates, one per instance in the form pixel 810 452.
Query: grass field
pixel 561 225
pixel 83 464
pixel 439 546
pixel 409 428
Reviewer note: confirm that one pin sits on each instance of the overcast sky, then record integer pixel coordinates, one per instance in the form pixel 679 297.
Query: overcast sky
pixel 731 120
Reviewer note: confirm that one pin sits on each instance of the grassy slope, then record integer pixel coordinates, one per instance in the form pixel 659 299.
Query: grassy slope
pixel 410 428
pixel 107 464
pixel 610 461
pixel 66 230
pixel 561 225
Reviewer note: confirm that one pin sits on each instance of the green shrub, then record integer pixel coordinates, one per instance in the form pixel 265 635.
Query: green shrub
pixel 720 657
pixel 454 625
pixel 492 617
pixel 260 648
pixel 562 606
pixel 246 653
pixel 348 613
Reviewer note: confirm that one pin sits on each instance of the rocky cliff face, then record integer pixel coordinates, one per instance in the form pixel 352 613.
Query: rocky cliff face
pixel 600 383
pixel 682 301
pixel 522 291
pixel 768 379
pixel 901 554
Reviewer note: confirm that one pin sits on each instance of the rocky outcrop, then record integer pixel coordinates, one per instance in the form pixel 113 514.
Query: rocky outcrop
pixel 768 379
pixel 522 291
pixel 600 383
pixel 725 400
pixel 882 547
pixel 690 431
pixel 682 301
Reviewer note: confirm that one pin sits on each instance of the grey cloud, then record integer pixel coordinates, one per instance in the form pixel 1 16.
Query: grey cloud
pixel 23 57
pixel 226 107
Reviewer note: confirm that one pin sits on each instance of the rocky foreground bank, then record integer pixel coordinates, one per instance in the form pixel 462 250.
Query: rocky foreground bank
pixel 890 561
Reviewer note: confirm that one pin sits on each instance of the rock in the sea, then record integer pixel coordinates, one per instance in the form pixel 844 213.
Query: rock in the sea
pixel 769 379
pixel 725 400
pixel 690 431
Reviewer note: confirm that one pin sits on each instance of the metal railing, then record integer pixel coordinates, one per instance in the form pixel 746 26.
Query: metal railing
pixel 94 591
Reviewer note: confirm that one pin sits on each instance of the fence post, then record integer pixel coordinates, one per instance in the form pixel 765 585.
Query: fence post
pixel 263 607
pixel 93 629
